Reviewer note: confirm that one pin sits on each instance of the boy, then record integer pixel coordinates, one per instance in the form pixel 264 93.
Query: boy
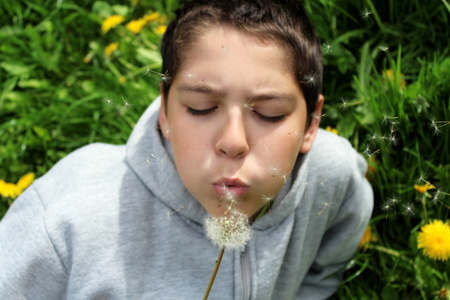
pixel 239 117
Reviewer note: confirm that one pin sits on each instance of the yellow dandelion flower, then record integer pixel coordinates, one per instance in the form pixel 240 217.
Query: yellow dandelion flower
pixel 122 79
pixel 135 26
pixel 109 50
pixel 25 181
pixel 151 16
pixel 443 293
pixel 330 129
pixel 112 22
pixel 423 188
pixel 9 190
pixel 434 238
pixel 367 238
pixel 161 29
pixel 162 19
pixel 389 74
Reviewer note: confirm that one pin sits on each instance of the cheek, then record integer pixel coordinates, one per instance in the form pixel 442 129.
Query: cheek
pixel 277 155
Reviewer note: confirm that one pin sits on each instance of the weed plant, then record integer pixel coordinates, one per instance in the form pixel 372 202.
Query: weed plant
pixel 386 85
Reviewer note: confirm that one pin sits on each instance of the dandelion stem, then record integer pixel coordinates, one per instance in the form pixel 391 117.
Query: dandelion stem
pixel 424 204
pixel 213 276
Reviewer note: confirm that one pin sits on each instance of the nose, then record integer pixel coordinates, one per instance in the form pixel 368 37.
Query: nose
pixel 232 141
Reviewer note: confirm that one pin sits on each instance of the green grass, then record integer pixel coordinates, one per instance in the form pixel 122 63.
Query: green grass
pixel 55 78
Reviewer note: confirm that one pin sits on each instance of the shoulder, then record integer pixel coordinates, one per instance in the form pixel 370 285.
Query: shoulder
pixel 82 175
pixel 333 154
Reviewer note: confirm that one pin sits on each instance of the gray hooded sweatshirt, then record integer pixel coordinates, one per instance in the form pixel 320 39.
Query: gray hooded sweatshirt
pixel 99 225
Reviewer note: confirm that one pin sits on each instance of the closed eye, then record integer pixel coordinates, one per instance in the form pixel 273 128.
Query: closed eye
pixel 270 119
pixel 201 112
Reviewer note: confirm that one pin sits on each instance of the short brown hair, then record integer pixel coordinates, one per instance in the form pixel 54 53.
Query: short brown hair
pixel 284 22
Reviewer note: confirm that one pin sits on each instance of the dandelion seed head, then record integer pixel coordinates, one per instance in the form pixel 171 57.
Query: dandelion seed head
pixel 231 231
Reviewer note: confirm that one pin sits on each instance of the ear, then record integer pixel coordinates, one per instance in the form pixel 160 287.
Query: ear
pixel 311 132
pixel 162 117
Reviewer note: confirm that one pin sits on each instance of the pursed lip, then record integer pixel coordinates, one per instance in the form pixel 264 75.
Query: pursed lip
pixel 230 188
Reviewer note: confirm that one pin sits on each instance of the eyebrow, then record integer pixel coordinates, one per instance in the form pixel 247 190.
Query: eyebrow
pixel 202 89
pixel 273 96
pixel 211 90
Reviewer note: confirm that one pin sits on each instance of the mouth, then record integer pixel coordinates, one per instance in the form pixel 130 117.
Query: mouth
pixel 228 188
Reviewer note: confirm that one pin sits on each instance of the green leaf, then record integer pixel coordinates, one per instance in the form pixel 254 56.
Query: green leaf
pixel 17 68
pixel 146 56
pixel 102 9
pixel 34 83
pixel 389 293
pixel 120 10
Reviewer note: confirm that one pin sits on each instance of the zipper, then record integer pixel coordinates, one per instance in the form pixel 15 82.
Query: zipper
pixel 246 275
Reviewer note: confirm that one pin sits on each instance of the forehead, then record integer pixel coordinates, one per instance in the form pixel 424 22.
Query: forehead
pixel 224 51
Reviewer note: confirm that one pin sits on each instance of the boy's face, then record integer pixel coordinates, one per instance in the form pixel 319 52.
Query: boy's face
pixel 236 120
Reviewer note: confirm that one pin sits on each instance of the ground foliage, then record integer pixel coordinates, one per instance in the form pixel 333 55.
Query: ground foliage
pixel 386 85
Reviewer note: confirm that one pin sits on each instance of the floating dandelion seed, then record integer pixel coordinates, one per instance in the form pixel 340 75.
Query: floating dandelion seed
pixel 314 116
pixel 409 209
pixel 326 47
pixel 231 231
pixel 375 137
pixel 365 14
pixel 323 209
pixel 169 213
pixel 422 178
pixel 249 105
pixel 107 103
pixel 383 47
pixel 126 106
pixel 394 201
pixel 151 158
pixel 436 196
pixel 436 125
pixel 310 79
pixel 344 102
pixel 166 79
pixel 275 171
pixel 386 207
pixel 387 118
pixel 393 139
pixel 367 151
pixel 267 198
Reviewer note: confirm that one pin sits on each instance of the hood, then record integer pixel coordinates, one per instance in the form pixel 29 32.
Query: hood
pixel 149 155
